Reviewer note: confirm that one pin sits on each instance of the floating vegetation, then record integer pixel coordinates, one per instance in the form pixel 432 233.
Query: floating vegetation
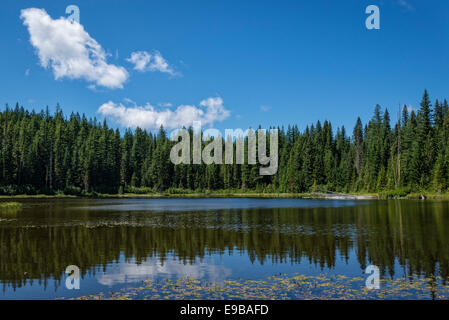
pixel 281 287
pixel 10 207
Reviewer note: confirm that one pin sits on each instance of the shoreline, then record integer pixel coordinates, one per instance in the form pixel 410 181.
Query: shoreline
pixel 312 195
pixel 330 196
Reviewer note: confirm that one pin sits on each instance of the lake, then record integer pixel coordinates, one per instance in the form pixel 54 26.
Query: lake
pixel 118 243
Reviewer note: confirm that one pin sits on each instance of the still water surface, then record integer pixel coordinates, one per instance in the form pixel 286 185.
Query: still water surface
pixel 120 242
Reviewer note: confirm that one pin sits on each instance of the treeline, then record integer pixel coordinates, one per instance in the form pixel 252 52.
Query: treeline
pixel 43 153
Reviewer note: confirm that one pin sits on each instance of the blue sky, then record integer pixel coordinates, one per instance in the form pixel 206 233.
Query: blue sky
pixel 249 62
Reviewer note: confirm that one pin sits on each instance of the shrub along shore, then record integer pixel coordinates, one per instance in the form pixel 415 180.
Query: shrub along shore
pixel 240 194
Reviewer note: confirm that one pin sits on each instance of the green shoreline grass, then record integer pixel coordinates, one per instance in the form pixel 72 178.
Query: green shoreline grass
pixel 352 196
pixel 182 195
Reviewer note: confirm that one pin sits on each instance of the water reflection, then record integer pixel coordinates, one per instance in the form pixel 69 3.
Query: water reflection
pixel 131 272
pixel 46 236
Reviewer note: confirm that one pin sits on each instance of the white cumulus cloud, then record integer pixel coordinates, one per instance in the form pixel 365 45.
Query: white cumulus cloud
pixel 144 61
pixel 140 59
pixel 67 49
pixel 148 117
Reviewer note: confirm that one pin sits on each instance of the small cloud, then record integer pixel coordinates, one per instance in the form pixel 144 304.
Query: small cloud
pixel 159 64
pixel 27 72
pixel 93 88
pixel 144 61
pixel 129 101
pixel 265 108
pixel 140 59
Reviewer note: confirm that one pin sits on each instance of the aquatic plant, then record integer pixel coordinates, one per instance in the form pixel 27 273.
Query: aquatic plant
pixel 10 205
pixel 282 287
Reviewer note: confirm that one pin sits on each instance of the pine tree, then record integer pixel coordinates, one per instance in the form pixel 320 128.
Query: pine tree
pixel 44 153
